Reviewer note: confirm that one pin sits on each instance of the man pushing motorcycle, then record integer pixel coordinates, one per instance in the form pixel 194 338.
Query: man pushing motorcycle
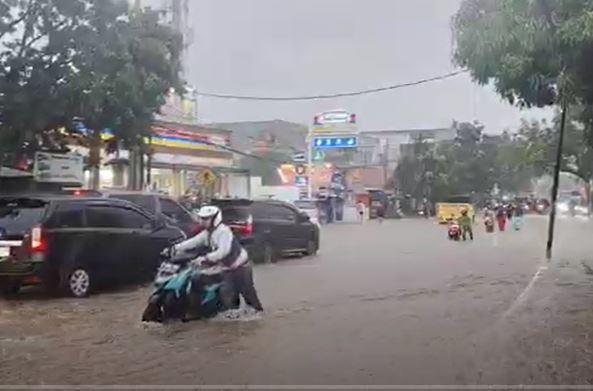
pixel 226 254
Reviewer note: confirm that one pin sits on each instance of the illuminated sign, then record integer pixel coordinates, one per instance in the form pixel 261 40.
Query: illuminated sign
pixel 335 142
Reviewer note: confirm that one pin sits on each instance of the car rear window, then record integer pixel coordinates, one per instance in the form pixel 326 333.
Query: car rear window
pixel 143 200
pixel 17 217
pixel 235 214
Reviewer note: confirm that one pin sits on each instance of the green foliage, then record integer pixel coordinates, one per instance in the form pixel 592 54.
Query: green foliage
pixel 471 164
pixel 92 59
pixel 538 140
pixel 527 48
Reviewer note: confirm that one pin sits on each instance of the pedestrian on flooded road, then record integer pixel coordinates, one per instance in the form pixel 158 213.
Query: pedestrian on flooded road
pixel 380 213
pixel 360 207
pixel 518 218
pixel 465 223
pixel 501 217
pixel 510 208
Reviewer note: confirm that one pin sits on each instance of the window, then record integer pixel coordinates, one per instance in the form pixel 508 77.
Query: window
pixel 17 218
pixel 172 210
pixel 68 216
pixel 278 212
pixel 115 217
pixel 259 211
pixel 145 201
pixel 235 214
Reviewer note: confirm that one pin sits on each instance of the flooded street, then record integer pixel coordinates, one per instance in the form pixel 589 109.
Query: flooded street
pixel 391 303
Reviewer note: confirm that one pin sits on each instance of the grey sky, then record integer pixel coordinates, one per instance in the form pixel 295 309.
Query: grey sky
pixel 303 47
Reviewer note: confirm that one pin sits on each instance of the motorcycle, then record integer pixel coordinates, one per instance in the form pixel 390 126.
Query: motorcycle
pixel 489 224
pixel 454 231
pixel 184 291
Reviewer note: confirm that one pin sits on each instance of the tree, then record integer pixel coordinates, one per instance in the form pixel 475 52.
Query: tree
pixel 527 47
pixel 537 140
pixel 472 164
pixel 91 62
pixel 35 62
pixel 131 64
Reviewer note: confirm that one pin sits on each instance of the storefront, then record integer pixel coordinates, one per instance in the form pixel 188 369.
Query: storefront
pixel 183 158
pixel 194 159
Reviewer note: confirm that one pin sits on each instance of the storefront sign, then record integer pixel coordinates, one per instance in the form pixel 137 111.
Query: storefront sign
pixel 177 138
pixel 58 168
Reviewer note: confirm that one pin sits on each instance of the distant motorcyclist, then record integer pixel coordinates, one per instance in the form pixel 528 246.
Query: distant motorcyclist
pixel 465 222
pixel 226 254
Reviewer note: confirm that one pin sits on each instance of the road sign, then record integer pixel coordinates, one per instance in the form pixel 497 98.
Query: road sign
pixel 335 142
pixel 319 156
pixel 301 180
pixel 300 170
pixel 299 157
pixel 206 177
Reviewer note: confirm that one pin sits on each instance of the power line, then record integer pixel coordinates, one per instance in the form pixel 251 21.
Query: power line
pixel 330 96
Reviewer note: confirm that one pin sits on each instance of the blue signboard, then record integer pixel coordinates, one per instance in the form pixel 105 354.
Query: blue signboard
pixel 335 142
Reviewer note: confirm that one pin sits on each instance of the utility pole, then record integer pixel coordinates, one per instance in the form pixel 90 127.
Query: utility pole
pixel 385 161
pixel 556 182
pixel 309 142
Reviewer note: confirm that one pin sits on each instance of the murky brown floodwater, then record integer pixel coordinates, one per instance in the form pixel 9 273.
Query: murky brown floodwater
pixel 382 304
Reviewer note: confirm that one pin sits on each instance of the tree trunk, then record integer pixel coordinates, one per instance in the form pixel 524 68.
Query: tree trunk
pixel 140 168
pixel 589 190
pixel 95 159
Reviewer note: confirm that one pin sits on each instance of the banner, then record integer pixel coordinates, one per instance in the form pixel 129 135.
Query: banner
pixel 58 168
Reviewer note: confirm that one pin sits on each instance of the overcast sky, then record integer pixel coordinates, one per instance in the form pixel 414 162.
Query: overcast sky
pixel 304 47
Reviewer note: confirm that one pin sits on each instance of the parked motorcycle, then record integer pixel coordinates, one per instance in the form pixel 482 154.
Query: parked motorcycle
pixel 184 291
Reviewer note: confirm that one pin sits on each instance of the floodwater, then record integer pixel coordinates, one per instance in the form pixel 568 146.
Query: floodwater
pixel 391 303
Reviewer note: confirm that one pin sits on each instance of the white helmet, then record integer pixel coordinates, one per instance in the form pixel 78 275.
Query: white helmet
pixel 210 214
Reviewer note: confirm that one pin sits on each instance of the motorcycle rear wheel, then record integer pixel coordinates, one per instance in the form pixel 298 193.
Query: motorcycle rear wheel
pixel 172 307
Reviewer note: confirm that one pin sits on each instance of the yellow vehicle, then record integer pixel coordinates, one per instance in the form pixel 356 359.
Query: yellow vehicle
pixel 452 207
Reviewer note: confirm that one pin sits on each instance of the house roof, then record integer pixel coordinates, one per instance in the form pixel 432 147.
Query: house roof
pixel 286 135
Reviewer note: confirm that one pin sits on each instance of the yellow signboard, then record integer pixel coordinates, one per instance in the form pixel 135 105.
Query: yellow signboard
pixel 206 177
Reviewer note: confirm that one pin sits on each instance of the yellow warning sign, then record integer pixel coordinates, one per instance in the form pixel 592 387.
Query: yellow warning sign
pixel 206 177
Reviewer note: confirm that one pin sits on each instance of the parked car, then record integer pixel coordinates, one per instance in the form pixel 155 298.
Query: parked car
pixel 75 244
pixel 269 229
pixel 162 207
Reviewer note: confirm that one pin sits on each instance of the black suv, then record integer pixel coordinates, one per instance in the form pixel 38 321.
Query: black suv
pixel 269 229
pixel 162 207
pixel 76 244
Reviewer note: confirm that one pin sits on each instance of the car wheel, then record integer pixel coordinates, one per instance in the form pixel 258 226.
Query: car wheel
pixel 268 255
pixel 77 282
pixel 312 247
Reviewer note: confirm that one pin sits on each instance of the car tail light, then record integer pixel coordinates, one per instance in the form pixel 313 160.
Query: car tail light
pixel 243 228
pixel 352 118
pixel 37 242
pixel 316 120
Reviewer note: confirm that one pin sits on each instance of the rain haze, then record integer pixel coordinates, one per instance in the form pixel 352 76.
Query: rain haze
pixel 253 244
pixel 294 48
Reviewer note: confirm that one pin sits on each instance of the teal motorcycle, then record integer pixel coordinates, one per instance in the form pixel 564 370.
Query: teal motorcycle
pixel 184 291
